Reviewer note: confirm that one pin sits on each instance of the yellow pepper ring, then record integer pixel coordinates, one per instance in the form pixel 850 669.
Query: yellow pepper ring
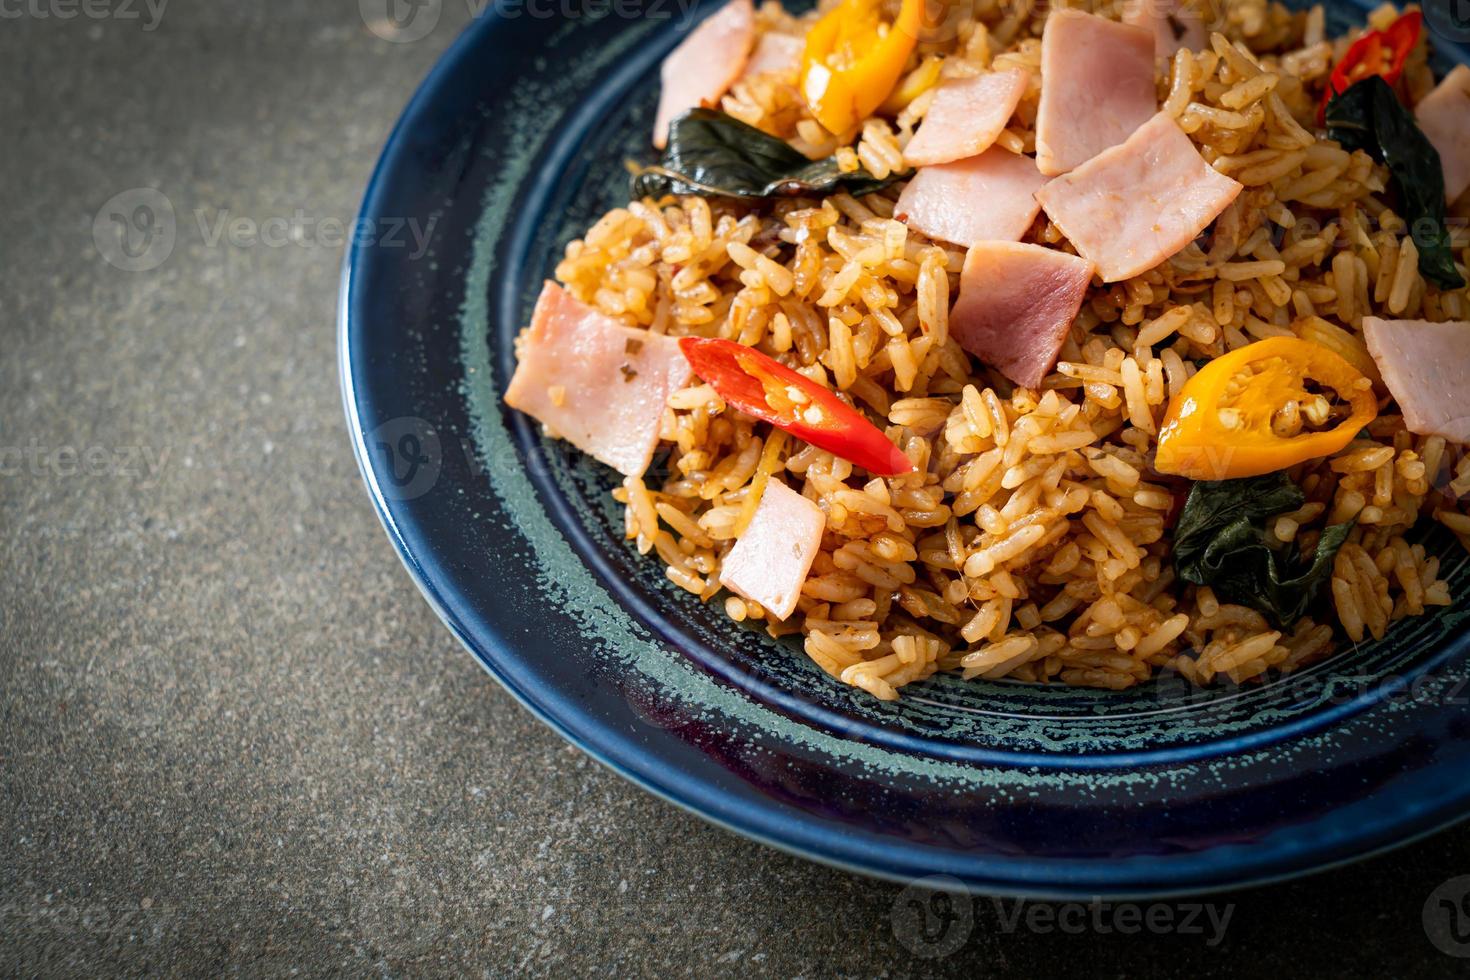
pixel 853 60
pixel 1225 422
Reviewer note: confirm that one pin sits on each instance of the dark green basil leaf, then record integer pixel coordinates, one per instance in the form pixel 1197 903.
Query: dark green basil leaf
pixel 712 154
pixel 1223 540
pixel 1368 116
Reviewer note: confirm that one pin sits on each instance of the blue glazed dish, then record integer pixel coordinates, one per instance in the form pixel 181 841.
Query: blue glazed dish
pixel 513 145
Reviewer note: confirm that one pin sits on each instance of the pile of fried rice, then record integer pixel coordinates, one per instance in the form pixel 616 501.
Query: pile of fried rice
pixel 1033 540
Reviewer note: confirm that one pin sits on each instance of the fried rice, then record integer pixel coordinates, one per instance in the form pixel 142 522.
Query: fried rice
pixel 1033 540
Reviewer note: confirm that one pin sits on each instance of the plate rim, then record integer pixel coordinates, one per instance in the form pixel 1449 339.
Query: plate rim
pixel 425 96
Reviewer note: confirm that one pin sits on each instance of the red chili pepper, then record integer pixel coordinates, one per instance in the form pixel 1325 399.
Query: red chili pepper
pixel 771 391
pixel 1375 53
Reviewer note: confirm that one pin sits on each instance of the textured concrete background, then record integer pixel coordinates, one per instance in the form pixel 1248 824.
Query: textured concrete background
pixel 232 736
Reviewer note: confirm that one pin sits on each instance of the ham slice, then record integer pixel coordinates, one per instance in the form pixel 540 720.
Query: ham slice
pixel 1097 87
pixel 1444 116
pixel 1134 205
pixel 775 52
pixel 1175 24
pixel 770 560
pixel 965 118
pixel 1426 367
pixel 1016 304
pixel 986 198
pixel 704 66
pixel 594 382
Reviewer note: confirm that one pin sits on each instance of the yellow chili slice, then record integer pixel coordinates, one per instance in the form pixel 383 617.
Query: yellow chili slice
pixel 1250 411
pixel 854 58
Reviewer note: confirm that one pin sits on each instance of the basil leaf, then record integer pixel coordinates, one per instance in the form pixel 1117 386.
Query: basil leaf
pixel 713 154
pixel 1223 540
pixel 1368 116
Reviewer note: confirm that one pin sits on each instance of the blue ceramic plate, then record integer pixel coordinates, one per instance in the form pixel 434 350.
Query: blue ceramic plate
pixel 515 144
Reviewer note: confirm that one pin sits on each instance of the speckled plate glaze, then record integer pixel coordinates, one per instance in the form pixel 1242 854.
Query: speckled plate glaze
pixel 513 145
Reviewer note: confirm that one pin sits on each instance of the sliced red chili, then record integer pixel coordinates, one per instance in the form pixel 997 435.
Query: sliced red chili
pixel 1375 53
pixel 772 392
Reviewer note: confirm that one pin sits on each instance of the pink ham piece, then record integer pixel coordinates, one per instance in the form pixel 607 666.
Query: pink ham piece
pixel 1175 24
pixel 1444 116
pixel 1132 206
pixel 965 118
pixel 775 52
pixel 1426 367
pixel 1097 87
pixel 594 382
pixel 1016 304
pixel 986 198
pixel 770 560
pixel 702 68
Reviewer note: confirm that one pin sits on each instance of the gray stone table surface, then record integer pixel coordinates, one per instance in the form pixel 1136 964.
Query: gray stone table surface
pixel 233 738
